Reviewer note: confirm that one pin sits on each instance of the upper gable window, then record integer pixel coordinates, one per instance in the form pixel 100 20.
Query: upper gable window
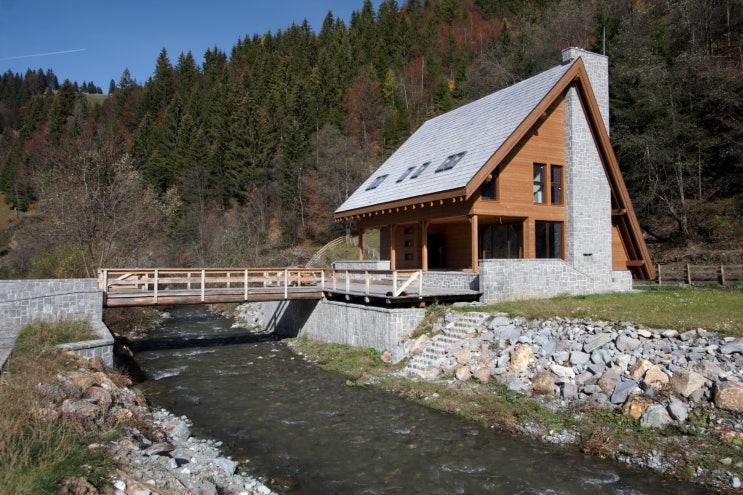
pixel 548 184
pixel 489 189
pixel 376 182
pixel 405 174
pixel 539 195
pixel 450 161
pixel 420 170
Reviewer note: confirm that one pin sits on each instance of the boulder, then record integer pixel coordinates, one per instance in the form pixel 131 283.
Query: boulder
pixel 419 344
pixel 520 357
pixel 568 390
pixel 562 371
pixel 655 378
pixel 464 373
pixel 678 410
pixel 544 383
pixel 732 347
pixel 729 396
pixel 655 416
pixel 483 374
pixel 622 391
pixel 596 341
pixel 625 343
pixel 610 380
pixel 463 356
pixel 579 358
pixel 686 382
pixel 636 405
pixel 639 368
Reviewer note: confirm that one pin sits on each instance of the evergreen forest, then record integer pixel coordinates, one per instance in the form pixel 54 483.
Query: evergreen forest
pixel 239 158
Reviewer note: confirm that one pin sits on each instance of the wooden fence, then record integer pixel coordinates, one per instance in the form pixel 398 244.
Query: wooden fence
pixel 686 273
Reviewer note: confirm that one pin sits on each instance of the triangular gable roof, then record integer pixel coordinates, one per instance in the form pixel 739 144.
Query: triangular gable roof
pixel 488 129
pixel 479 128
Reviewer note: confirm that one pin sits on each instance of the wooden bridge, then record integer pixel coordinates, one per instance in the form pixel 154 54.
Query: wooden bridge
pixel 172 286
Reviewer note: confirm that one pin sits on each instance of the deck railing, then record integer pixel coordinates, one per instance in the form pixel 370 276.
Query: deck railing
pixel 690 274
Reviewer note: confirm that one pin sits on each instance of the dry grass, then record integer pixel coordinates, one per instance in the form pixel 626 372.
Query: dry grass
pixel 39 449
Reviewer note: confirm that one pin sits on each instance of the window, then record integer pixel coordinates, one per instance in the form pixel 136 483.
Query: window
pixel 420 170
pixel 450 161
pixel 405 174
pixel 489 188
pixel 548 241
pixel 501 241
pixel 556 185
pixel 378 180
pixel 539 183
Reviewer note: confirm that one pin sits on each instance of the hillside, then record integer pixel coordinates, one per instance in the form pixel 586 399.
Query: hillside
pixel 242 157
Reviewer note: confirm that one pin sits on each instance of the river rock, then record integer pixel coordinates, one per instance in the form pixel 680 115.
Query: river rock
pixel 655 416
pixel 625 343
pixel 483 374
pixel 597 341
pixel 463 356
pixel 622 391
pixel 655 378
pixel 636 405
pixel 463 373
pixel 520 357
pixel 638 369
pixel 610 380
pixel 544 383
pixel 686 382
pixel 729 396
pixel 678 410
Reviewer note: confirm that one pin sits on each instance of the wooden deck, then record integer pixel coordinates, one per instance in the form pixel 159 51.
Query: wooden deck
pixel 168 286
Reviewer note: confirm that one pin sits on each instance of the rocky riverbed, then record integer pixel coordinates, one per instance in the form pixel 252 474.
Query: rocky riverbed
pixel 662 378
pixel 158 456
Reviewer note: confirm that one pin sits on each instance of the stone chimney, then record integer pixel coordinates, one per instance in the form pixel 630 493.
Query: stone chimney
pixel 597 67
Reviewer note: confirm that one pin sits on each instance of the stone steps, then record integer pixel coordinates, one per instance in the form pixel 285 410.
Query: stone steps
pixel 456 331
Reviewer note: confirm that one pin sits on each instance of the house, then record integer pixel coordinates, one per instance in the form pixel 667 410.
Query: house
pixel 520 189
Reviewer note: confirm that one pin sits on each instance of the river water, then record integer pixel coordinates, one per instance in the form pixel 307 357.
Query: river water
pixel 306 432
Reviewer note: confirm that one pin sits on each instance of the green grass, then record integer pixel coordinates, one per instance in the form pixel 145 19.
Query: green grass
pixel 38 449
pixel 715 309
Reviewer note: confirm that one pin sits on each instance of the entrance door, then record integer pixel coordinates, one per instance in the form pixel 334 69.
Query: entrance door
pixel 436 251
pixel 502 241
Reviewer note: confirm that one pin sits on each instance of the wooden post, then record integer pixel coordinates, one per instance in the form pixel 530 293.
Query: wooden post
pixel 475 241
pixel 203 281
pixel 424 245
pixel 688 273
pixel 155 287
pixel 660 276
pixel 393 251
pixel 722 274
pixel 361 245
pixel 245 281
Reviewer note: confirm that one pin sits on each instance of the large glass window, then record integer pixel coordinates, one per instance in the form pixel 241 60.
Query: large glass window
pixel 539 183
pixel 501 241
pixel 548 240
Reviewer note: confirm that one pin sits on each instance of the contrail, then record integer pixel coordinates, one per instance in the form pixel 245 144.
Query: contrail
pixel 43 54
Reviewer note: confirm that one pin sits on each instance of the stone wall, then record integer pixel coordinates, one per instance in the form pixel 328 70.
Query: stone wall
pixel 362 265
pixel 451 280
pixel 340 322
pixel 509 280
pixel 26 301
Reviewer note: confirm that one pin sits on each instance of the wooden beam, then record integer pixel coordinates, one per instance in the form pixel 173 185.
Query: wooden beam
pixel 475 241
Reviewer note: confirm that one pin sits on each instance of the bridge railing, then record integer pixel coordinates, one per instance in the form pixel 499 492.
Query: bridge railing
pixel 203 280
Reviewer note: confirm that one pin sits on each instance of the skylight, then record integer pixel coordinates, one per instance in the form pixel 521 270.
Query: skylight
pixel 378 180
pixel 420 170
pixel 405 174
pixel 450 161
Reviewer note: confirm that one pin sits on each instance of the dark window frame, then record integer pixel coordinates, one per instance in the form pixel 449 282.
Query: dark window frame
pixel 451 161
pixel 376 182
pixel 422 168
pixel 556 186
pixel 549 239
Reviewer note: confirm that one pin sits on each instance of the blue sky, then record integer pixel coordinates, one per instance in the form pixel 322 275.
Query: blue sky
pixel 95 41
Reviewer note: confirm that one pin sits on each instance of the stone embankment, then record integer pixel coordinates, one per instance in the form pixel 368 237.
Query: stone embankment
pixel 659 377
pixel 159 456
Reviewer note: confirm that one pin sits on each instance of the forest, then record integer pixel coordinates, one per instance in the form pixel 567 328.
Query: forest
pixel 240 158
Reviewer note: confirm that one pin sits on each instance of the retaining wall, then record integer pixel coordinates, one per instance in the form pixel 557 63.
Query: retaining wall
pixel 341 322
pixel 508 280
pixel 52 300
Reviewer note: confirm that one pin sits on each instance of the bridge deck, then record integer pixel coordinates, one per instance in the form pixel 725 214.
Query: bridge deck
pixel 150 287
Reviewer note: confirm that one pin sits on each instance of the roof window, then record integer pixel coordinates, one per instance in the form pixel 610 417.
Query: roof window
pixel 450 161
pixel 405 174
pixel 378 180
pixel 420 170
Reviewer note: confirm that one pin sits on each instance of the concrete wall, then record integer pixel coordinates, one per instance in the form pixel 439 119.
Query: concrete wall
pixel 451 280
pixel 26 301
pixel 340 322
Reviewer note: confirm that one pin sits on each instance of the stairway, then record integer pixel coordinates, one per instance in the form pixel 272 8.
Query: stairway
pixel 460 325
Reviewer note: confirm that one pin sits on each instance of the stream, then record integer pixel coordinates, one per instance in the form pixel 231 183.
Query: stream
pixel 304 431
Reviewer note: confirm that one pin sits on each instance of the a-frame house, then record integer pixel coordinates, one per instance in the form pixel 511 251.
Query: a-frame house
pixel 522 184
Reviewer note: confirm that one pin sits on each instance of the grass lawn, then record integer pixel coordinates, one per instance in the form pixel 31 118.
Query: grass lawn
pixel 681 308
